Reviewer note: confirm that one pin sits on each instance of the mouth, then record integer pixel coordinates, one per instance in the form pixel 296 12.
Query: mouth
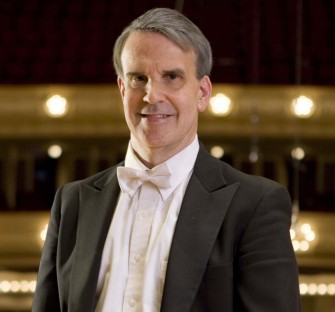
pixel 155 117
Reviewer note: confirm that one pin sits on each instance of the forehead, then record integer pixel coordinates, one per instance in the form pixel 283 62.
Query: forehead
pixel 154 47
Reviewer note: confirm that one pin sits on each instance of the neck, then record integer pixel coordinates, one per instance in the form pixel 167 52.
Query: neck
pixel 154 156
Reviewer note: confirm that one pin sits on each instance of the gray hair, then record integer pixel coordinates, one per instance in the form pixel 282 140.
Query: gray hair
pixel 177 28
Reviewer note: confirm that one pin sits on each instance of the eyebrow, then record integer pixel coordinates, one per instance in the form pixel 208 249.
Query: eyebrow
pixel 176 71
pixel 130 74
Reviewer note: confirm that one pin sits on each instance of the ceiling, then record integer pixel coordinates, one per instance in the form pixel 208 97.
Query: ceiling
pixel 254 42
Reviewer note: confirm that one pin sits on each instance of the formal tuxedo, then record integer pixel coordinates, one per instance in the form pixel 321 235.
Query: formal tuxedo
pixel 231 250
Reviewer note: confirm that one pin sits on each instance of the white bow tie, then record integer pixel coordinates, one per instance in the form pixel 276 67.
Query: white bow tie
pixel 130 179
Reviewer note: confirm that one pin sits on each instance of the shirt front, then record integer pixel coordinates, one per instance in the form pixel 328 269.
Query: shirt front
pixel 136 251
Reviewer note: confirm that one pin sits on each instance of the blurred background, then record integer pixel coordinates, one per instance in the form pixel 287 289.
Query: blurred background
pixel 272 114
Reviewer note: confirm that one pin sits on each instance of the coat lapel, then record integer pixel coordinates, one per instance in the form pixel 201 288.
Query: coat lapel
pixel 204 207
pixel 97 203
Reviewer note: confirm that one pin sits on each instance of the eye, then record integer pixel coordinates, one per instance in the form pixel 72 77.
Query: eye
pixel 174 79
pixel 172 76
pixel 136 81
pixel 139 78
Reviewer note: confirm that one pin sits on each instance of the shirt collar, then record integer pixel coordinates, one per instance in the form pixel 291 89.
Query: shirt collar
pixel 180 165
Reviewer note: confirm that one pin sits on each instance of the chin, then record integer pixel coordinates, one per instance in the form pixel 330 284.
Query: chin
pixel 157 142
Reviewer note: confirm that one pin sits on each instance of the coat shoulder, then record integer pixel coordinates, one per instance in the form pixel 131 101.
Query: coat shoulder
pixel 95 181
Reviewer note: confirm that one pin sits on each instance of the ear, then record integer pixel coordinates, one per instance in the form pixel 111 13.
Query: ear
pixel 121 86
pixel 204 93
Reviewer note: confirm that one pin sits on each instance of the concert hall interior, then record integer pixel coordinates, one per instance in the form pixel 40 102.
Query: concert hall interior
pixel 272 114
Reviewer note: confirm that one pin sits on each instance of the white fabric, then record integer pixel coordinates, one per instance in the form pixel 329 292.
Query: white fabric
pixel 137 247
pixel 130 179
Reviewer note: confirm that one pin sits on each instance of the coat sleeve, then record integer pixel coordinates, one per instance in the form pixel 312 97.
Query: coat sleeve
pixel 46 298
pixel 267 270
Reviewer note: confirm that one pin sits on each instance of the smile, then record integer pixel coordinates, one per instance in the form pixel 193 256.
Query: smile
pixel 159 116
pixel 155 118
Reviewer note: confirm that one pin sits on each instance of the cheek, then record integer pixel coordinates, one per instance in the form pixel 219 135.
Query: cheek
pixel 189 106
pixel 129 101
pixel 130 108
pixel 127 109
pixel 132 97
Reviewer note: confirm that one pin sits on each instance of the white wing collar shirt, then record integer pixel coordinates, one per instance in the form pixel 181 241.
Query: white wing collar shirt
pixel 137 246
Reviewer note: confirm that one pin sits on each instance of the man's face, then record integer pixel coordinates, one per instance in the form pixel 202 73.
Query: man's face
pixel 160 92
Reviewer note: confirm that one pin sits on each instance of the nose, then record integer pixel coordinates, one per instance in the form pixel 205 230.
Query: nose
pixel 153 92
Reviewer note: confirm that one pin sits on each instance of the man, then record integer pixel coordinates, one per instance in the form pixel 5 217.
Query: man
pixel 172 228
